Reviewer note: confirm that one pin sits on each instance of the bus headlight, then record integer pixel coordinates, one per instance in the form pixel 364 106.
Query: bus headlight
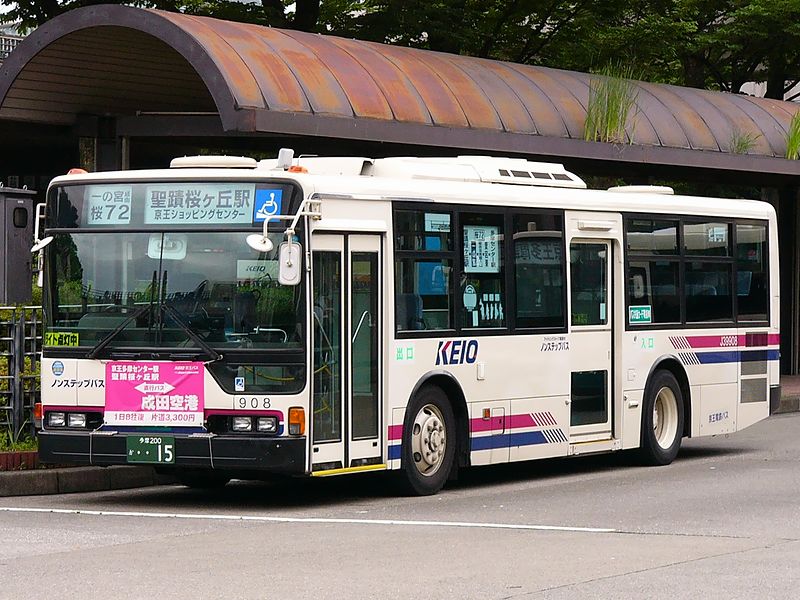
pixel 76 420
pixel 56 419
pixel 267 424
pixel 242 424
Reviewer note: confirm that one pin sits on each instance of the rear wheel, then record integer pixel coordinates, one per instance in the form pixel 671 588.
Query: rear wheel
pixel 429 441
pixel 662 420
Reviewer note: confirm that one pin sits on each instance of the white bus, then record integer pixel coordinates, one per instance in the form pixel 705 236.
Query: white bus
pixel 320 316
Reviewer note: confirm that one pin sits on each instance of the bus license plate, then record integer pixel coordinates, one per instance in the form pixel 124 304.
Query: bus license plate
pixel 151 449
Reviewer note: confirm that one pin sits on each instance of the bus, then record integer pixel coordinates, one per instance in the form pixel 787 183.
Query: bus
pixel 228 318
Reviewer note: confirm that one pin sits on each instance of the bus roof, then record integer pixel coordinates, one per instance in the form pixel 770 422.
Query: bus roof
pixel 468 180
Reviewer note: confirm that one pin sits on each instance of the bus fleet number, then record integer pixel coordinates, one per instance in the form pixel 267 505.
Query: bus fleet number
pixel 253 402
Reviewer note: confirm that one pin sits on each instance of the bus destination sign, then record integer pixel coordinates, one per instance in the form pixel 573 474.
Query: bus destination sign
pixel 199 203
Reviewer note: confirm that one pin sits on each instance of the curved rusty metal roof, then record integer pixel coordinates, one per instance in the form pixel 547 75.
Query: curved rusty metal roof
pixel 120 60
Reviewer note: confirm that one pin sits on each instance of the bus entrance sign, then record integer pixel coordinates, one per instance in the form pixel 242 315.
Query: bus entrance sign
pixel 154 394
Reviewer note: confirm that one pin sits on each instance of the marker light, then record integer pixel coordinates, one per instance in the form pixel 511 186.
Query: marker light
pixel 267 424
pixel 76 419
pixel 242 424
pixel 297 421
pixel 56 419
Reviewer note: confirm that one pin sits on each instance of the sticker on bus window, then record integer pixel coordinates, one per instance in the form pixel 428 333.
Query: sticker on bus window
pixel 640 314
pixel 267 204
pixel 61 338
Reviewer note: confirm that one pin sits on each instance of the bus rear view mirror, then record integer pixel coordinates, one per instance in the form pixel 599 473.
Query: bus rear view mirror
pixel 289 263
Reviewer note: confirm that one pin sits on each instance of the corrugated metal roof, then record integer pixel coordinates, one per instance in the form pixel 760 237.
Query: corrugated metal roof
pixel 120 60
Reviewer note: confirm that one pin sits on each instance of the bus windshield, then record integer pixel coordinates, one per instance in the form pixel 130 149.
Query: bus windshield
pixel 160 287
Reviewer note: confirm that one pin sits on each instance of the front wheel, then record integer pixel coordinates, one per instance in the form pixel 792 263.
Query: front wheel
pixel 429 441
pixel 662 420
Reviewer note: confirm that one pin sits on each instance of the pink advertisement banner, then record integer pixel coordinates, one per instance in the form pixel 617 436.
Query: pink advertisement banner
pixel 163 394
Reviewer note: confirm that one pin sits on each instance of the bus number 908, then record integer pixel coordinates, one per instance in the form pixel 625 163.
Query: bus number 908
pixel 253 402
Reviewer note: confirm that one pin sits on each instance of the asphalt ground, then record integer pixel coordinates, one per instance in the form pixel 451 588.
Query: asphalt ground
pixel 723 521
pixel 88 479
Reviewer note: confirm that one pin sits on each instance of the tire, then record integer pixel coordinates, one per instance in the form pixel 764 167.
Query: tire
pixel 202 480
pixel 429 442
pixel 662 420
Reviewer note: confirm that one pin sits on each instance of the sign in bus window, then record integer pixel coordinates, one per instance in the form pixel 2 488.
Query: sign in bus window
pixel 199 203
pixel 481 249
pixel 107 205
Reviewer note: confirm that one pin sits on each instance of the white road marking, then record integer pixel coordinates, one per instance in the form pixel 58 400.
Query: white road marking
pixel 266 519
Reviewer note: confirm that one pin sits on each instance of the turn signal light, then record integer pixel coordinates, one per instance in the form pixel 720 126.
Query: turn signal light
pixel 297 421
pixel 38 413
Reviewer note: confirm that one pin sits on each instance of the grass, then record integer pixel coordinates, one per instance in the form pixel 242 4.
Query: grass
pixel 793 138
pixel 11 442
pixel 742 142
pixel 611 106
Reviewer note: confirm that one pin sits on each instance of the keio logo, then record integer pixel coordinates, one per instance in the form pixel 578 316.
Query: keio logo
pixel 457 352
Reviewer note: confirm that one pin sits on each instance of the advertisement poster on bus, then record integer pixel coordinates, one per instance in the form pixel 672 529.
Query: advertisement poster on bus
pixel 158 394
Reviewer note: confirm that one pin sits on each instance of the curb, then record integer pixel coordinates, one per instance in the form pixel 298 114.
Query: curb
pixel 788 404
pixel 77 479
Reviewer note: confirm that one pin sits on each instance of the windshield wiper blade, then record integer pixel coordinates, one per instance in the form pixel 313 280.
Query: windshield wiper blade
pixel 178 318
pixel 106 340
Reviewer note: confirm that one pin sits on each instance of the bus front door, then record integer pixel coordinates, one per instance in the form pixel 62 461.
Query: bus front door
pixel 591 266
pixel 346 382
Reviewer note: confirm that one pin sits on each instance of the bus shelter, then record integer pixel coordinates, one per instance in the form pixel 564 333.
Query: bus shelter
pixel 109 87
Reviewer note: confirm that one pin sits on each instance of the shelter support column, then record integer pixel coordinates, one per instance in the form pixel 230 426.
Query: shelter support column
pixel 100 148
pixel 785 200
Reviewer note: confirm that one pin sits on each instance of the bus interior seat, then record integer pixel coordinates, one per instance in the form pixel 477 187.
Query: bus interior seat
pixel 409 312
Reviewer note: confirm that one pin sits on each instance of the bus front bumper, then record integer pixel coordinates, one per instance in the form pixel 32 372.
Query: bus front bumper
pixel 234 453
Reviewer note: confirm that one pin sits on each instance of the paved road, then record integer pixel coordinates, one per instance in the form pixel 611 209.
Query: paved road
pixel 722 522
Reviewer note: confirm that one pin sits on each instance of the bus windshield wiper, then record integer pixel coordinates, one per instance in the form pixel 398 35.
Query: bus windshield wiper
pixel 178 318
pixel 99 346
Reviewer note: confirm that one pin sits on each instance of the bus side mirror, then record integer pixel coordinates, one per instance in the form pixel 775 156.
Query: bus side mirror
pixel 290 260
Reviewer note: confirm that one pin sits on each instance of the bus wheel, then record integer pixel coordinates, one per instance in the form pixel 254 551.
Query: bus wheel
pixel 202 480
pixel 429 441
pixel 662 420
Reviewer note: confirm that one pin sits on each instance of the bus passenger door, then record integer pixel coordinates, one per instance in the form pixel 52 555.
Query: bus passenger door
pixel 346 381
pixel 591 324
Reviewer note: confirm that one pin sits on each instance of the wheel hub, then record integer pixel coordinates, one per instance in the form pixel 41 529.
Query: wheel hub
pixel 428 440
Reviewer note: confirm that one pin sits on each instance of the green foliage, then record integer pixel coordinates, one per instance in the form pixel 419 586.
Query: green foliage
pixel 17 442
pixel 793 138
pixel 611 106
pixel 741 142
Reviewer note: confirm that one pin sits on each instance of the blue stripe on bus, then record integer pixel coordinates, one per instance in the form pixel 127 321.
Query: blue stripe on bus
pixel 488 442
pixel 707 358
pixel 505 440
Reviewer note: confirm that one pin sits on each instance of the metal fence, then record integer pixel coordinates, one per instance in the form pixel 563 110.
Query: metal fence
pixel 20 353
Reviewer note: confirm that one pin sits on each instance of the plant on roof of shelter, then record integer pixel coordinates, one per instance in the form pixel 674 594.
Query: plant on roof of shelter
pixel 741 142
pixel 793 138
pixel 611 106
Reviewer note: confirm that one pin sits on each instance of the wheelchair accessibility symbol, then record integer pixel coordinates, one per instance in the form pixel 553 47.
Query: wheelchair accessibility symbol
pixel 267 204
